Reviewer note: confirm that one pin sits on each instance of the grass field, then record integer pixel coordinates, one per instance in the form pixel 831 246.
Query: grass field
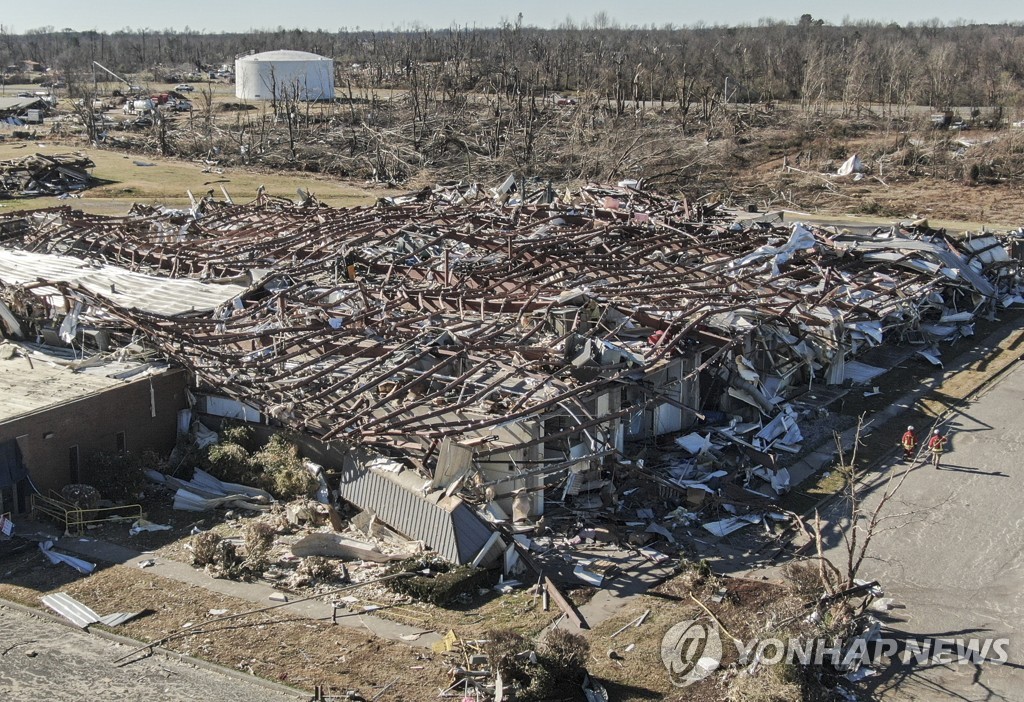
pixel 167 181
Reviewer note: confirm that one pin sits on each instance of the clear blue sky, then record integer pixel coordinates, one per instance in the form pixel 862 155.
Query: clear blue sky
pixel 221 15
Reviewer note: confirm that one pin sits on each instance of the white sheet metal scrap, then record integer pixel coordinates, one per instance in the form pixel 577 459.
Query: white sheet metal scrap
pixel 81 565
pixel 82 616
pixel 165 296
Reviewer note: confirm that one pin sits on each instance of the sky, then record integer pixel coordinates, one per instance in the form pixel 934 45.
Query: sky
pixel 332 15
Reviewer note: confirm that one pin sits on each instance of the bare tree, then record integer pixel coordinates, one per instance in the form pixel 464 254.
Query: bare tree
pixel 863 525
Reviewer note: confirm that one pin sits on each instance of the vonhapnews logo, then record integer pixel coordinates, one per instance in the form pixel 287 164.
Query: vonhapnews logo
pixel 692 650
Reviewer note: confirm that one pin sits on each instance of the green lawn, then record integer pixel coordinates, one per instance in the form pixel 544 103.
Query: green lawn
pixel 168 180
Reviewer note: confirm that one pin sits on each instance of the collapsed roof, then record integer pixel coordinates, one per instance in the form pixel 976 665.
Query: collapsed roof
pixel 540 336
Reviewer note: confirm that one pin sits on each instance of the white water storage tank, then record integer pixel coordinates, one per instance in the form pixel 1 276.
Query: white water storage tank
pixel 279 75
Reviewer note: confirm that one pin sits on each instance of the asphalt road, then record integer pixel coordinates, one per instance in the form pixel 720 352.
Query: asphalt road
pixel 41 660
pixel 951 553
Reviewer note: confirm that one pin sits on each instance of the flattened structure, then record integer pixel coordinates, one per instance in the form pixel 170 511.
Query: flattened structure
pixel 529 340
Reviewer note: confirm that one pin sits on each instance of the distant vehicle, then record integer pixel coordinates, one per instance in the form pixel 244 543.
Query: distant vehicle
pixel 25 94
pixel 135 88
pixel 182 106
pixel 140 106
pixel 184 88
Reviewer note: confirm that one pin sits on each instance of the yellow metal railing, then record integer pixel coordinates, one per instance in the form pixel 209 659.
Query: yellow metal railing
pixel 76 519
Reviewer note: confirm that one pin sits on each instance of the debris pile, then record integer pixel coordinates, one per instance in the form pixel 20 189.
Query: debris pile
pixel 295 543
pixel 485 364
pixel 40 174
pixel 508 666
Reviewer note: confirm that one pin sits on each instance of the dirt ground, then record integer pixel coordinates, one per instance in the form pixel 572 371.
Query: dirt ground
pixel 944 203
pixel 306 653
pixel 300 652
pixel 164 181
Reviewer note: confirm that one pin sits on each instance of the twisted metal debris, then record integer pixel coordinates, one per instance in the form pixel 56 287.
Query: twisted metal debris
pixel 448 314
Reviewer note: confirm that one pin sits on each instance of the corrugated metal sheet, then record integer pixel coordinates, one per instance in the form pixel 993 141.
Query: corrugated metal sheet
pixel 125 288
pixel 950 259
pixel 81 616
pixel 446 525
pixel 70 608
pixel 118 618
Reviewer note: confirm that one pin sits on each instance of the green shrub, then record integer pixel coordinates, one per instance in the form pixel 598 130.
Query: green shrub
pixel 238 433
pixel 447 583
pixel 284 475
pixel 290 483
pixel 276 468
pixel 231 463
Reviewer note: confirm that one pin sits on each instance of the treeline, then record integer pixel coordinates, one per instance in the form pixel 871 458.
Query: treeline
pixel 922 64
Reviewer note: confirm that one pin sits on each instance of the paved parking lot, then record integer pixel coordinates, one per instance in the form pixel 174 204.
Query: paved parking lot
pixel 43 661
pixel 952 552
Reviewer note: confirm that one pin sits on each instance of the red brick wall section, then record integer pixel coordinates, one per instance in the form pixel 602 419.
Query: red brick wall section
pixel 92 423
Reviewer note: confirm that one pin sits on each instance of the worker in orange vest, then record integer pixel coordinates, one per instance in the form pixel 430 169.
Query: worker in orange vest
pixel 936 445
pixel 909 443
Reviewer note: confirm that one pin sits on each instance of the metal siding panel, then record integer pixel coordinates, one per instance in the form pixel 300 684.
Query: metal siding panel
pixel 70 608
pixel 470 531
pixel 405 511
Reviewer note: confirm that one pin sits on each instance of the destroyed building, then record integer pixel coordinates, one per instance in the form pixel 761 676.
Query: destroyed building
pixel 18 111
pixel 459 360
pixel 40 174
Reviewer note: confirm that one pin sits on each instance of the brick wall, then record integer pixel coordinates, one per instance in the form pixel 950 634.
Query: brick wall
pixel 92 424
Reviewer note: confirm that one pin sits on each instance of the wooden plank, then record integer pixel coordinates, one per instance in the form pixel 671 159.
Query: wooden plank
pixel 565 604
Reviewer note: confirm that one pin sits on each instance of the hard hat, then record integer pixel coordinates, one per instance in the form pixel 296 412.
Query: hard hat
pixel 910 428
pixel 936 431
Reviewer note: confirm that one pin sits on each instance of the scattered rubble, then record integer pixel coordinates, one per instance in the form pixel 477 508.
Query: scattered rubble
pixel 482 371
pixel 41 174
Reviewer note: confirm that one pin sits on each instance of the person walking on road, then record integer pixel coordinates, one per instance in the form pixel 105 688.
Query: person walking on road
pixel 936 445
pixel 909 443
